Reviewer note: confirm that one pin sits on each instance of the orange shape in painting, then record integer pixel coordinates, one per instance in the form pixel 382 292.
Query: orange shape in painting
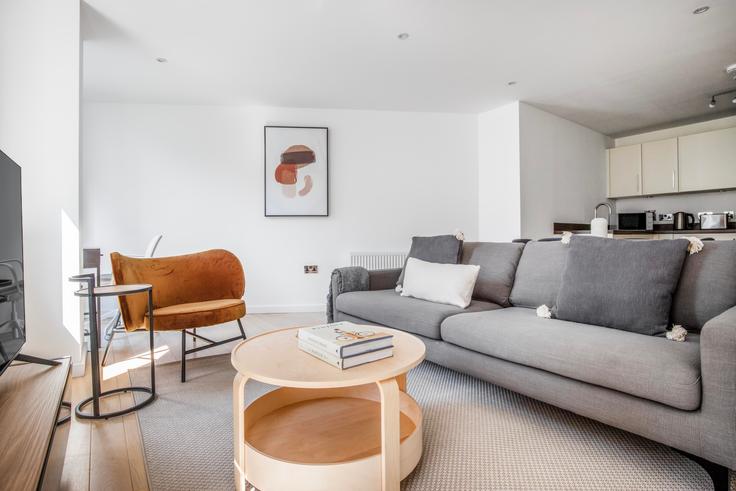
pixel 286 174
pixel 292 159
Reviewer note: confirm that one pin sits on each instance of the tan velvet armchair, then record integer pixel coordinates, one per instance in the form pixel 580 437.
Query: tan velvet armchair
pixel 189 291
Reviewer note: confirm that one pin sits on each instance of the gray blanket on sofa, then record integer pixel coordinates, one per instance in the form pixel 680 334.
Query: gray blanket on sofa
pixel 349 279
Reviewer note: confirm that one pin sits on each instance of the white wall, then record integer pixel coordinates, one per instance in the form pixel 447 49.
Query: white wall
pixel 499 174
pixel 39 129
pixel 195 174
pixel 534 169
pixel 691 202
pixel 563 171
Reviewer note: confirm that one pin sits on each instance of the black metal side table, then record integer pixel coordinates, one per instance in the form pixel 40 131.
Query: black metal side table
pixel 93 293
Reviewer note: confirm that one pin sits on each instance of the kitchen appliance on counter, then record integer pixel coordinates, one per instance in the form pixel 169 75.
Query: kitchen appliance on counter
pixel 713 221
pixel 599 225
pixel 682 220
pixel 643 221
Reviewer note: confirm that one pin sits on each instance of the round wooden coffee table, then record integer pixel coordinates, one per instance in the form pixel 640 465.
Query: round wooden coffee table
pixel 324 428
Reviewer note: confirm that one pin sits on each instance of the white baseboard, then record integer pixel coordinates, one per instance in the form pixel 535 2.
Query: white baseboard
pixel 79 367
pixel 284 309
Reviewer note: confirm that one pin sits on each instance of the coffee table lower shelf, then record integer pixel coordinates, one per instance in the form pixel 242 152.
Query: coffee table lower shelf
pixel 312 437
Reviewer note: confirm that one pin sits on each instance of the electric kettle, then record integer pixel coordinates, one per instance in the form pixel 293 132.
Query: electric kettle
pixel 682 220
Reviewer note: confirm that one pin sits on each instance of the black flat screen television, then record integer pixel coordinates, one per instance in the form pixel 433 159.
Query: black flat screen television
pixel 12 296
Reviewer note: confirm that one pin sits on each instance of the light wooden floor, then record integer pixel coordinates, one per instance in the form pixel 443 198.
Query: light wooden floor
pixel 108 454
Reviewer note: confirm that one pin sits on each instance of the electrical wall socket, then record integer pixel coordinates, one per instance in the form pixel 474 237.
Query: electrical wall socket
pixel 311 269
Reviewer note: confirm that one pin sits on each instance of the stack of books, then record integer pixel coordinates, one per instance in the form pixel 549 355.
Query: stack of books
pixel 344 344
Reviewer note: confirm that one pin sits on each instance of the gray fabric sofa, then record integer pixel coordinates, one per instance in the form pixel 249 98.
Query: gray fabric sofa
pixel 681 394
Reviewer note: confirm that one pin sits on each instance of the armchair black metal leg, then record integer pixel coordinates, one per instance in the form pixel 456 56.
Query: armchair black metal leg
pixel 111 331
pixel 183 355
pixel 209 343
pixel 107 347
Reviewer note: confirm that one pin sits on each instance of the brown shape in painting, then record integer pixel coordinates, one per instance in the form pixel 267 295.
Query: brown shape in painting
pixel 295 157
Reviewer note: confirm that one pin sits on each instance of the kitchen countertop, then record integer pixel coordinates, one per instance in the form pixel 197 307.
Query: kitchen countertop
pixel 659 228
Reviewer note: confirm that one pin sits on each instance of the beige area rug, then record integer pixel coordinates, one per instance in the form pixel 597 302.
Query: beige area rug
pixel 477 436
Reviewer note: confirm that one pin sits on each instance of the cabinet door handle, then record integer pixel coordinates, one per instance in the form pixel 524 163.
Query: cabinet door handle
pixel 673 179
pixel 637 183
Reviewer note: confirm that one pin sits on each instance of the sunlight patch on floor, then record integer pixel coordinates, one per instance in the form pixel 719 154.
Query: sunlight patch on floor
pixel 135 361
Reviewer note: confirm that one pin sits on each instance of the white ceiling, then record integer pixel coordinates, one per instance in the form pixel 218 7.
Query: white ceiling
pixel 611 65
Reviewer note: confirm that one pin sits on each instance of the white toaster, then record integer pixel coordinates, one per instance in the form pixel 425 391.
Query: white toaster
pixel 713 221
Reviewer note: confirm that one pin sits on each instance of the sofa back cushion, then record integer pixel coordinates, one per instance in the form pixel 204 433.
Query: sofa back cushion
pixel 623 284
pixel 498 262
pixel 442 249
pixel 707 285
pixel 539 274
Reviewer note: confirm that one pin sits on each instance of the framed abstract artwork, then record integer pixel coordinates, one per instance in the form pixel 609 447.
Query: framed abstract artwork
pixel 296 179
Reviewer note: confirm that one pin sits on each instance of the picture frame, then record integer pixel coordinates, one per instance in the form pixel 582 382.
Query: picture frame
pixel 296 171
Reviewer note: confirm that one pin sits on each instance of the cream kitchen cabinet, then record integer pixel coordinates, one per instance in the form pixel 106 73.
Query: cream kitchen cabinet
pixel 624 171
pixel 707 160
pixel 659 167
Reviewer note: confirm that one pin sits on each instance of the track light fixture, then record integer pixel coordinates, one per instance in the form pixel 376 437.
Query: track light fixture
pixel 712 103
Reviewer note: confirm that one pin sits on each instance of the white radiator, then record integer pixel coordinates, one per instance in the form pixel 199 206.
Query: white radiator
pixel 378 260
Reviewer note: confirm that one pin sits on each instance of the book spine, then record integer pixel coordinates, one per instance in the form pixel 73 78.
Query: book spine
pixel 333 349
pixel 318 353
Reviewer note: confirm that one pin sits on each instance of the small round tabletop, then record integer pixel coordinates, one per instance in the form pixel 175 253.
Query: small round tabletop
pixel 114 290
pixel 274 358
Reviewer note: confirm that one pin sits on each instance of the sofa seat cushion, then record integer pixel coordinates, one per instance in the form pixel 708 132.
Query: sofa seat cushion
pixel 406 313
pixel 649 367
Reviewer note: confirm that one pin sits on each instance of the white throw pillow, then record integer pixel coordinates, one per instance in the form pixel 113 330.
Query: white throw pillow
pixel 443 283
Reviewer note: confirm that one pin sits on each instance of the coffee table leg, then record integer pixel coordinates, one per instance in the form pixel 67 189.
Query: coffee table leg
pixel 390 444
pixel 401 380
pixel 239 430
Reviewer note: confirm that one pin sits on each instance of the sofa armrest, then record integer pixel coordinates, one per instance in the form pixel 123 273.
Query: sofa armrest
pixel 718 366
pixel 383 279
pixel 349 279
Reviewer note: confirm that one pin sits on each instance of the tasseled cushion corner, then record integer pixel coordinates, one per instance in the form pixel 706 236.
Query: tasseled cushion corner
pixel 696 245
pixel 544 312
pixel 678 333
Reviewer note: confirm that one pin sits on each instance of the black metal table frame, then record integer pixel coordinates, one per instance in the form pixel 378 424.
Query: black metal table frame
pixel 97 393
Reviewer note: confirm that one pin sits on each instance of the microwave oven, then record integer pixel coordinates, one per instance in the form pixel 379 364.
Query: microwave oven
pixel 636 221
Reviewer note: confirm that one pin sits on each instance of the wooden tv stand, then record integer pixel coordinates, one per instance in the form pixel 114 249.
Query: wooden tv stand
pixel 32 447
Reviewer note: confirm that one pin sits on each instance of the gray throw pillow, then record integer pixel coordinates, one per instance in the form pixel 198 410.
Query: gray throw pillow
pixel 623 284
pixel 444 249
pixel 707 285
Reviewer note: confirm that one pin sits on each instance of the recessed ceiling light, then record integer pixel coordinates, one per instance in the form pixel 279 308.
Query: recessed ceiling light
pixel 512 82
pixel 403 36
pixel 701 10
pixel 161 60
